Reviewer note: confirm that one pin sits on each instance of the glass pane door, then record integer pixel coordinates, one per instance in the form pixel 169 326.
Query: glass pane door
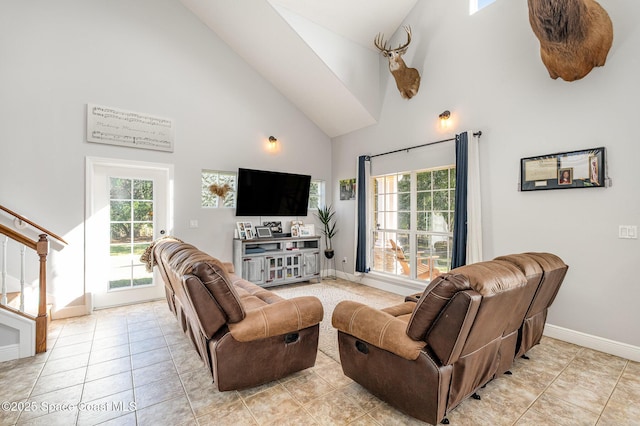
pixel 131 212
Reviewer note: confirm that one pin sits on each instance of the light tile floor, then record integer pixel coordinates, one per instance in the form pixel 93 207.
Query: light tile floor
pixel 132 365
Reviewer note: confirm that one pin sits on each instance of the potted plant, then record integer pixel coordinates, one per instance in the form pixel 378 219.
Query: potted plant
pixel 326 216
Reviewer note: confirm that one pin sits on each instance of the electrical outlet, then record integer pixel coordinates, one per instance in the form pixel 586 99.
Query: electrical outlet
pixel 344 260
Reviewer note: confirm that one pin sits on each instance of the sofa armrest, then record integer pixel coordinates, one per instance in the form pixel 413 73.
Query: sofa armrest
pixel 285 316
pixel 376 327
pixel 228 266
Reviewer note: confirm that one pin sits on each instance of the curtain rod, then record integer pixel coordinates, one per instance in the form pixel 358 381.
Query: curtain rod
pixel 478 134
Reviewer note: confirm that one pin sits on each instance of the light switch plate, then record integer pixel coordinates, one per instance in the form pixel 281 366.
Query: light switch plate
pixel 628 231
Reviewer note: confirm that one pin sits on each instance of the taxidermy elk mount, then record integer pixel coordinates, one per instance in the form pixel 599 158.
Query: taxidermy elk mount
pixel 407 79
pixel 575 36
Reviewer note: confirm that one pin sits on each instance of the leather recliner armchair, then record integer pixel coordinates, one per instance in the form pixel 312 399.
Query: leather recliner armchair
pixel 246 335
pixel 430 353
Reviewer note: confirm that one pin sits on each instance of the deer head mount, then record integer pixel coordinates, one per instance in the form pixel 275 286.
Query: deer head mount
pixel 407 79
pixel 575 36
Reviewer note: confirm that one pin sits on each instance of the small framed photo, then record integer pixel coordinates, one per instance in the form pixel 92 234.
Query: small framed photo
pixel 565 176
pixel 594 170
pixel 307 230
pixel 276 226
pixel 245 230
pixel 241 232
pixel 295 231
pixel 348 189
pixel 263 232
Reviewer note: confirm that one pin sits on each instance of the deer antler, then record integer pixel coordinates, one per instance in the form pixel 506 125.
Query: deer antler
pixel 404 46
pixel 380 43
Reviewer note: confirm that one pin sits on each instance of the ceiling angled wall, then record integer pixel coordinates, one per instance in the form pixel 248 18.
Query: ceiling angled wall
pixel 322 64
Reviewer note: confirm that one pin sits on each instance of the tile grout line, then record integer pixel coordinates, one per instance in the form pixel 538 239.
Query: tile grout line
pixel 529 407
pixel 626 364
pixel 173 362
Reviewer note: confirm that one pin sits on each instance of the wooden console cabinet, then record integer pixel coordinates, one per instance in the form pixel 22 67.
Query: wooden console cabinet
pixel 274 261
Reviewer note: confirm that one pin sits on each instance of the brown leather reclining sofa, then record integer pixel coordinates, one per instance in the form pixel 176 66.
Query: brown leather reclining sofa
pixel 245 334
pixel 428 354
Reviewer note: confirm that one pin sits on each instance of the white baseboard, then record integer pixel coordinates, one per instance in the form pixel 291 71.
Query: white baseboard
pixel 601 344
pixel 9 352
pixel 382 282
pixel 69 311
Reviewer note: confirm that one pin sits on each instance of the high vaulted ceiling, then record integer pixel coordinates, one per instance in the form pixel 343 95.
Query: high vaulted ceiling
pixel 317 53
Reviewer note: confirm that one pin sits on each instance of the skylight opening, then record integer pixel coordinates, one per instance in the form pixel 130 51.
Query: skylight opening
pixel 476 5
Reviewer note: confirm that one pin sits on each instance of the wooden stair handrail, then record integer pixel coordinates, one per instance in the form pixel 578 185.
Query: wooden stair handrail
pixel 41 247
pixel 14 235
pixel 35 225
pixel 17 312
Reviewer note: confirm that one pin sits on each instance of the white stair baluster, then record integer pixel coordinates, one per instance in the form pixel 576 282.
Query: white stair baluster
pixel 22 274
pixel 4 270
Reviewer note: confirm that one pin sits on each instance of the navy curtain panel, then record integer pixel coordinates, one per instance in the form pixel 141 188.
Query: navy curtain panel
pixel 459 252
pixel 361 238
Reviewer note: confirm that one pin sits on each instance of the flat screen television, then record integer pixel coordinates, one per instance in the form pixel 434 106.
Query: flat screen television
pixel 265 193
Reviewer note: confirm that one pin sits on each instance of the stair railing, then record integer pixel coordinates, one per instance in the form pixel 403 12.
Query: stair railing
pixel 41 247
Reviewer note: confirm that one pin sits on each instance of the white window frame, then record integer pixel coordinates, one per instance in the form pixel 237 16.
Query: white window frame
pixel 321 194
pixel 211 201
pixel 381 254
pixel 474 7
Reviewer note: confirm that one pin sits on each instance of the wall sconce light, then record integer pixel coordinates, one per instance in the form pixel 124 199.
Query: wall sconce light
pixel 272 140
pixel 444 118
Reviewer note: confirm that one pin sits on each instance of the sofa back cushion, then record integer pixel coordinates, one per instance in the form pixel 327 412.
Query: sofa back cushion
pixel 215 278
pixel 432 301
pixel 502 286
pixel 533 272
pixel 554 271
pixel 180 259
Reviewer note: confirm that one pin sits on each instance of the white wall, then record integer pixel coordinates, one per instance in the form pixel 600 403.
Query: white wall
pixel 486 69
pixel 353 64
pixel 150 56
pixel 8 336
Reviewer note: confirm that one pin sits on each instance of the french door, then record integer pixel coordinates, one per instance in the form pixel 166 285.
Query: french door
pixel 128 209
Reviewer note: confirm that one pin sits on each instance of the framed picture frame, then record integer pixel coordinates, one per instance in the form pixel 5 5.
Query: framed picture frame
pixel 307 230
pixel 348 189
pixel 565 176
pixel 245 230
pixel 573 169
pixel 263 232
pixel 275 226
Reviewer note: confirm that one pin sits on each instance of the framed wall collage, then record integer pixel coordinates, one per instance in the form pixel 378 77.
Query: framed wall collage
pixel 564 170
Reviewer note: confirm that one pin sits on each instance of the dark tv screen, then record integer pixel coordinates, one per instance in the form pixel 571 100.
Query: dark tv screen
pixel 265 193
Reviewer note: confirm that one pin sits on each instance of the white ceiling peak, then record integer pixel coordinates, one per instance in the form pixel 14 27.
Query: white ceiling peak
pixel 336 86
pixel 355 20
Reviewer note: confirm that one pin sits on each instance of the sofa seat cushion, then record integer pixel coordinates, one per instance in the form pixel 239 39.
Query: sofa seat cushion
pixel 274 319
pixel 376 327
pixel 402 311
pixel 251 295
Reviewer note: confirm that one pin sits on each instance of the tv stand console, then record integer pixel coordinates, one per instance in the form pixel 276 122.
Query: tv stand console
pixel 269 262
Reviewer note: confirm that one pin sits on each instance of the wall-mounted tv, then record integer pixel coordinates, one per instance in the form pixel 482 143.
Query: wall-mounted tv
pixel 266 193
